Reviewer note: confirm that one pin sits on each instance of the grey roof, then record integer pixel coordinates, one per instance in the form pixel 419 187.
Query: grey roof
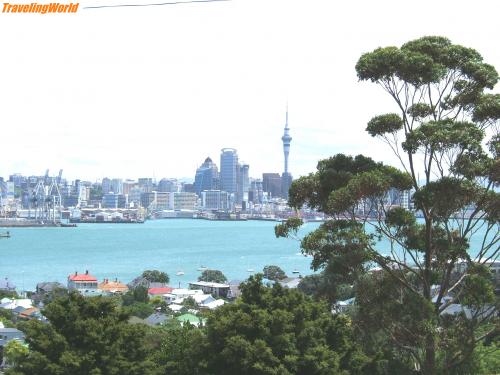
pixel 156 318
pixel 10 330
pixel 49 286
pixel 18 309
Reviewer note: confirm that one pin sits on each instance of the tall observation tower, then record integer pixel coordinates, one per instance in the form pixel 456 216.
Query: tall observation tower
pixel 286 177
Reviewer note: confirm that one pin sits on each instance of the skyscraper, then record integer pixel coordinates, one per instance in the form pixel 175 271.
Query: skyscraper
pixel 228 170
pixel 286 177
pixel 207 177
pixel 243 184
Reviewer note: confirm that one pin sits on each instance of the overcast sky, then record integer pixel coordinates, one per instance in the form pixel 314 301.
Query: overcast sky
pixel 135 92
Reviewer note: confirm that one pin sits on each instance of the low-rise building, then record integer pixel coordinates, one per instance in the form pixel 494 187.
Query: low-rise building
pixel 83 283
pixel 161 291
pixel 8 334
pixel 112 287
pixel 215 289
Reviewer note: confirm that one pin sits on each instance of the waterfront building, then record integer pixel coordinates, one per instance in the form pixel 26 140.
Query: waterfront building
pixel 256 191
pixel 271 184
pixel 82 283
pixel 134 195
pixel 206 177
pixel 156 200
pixel 182 201
pixel 286 178
pixel 112 200
pixel 243 183
pixel 228 170
pixel 215 200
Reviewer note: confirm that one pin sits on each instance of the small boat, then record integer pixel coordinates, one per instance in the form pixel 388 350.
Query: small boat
pixel 296 271
pixel 202 268
pixel 5 235
pixel 180 273
pixel 250 270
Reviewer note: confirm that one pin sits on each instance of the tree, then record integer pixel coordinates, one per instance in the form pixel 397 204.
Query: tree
pixel 213 276
pixel 182 350
pixel 438 131
pixel 279 331
pixel 155 276
pixel 274 273
pixel 14 352
pixel 85 336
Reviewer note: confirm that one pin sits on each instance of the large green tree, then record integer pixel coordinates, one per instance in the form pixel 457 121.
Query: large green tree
pixel 443 119
pixel 214 276
pixel 273 273
pixel 155 276
pixel 86 336
pixel 279 331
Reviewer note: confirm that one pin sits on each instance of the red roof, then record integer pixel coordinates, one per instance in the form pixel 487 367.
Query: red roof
pixel 165 290
pixel 84 277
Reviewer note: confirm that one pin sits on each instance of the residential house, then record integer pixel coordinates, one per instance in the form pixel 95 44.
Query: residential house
pixel 85 284
pixel 216 289
pixel 112 287
pixel 161 291
pixel 8 334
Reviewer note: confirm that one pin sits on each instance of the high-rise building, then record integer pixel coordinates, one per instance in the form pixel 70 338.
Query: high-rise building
pixel 271 184
pixel 286 177
pixel 169 185
pixel 228 170
pixel 243 184
pixel 146 184
pixel 106 185
pixel 117 185
pixel 255 194
pixel 207 177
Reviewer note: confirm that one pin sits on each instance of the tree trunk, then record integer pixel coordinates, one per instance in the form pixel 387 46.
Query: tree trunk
pixel 430 342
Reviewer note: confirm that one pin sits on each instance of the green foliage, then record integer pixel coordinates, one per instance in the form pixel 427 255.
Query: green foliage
pixel 273 273
pixel 85 336
pixel 155 276
pixel 279 331
pixel 438 135
pixel 190 303
pixel 214 276
pixel 7 318
pixel 137 295
pixel 326 286
pixel 8 294
pixel 382 124
pixel 182 350
pixel 15 352
pixel 139 309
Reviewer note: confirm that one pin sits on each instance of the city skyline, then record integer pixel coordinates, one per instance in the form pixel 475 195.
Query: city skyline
pixel 197 77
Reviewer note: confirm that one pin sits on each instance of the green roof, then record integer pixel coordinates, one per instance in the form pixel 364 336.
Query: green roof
pixel 193 319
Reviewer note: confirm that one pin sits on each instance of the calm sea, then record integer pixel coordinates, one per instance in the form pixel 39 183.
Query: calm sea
pixel 123 251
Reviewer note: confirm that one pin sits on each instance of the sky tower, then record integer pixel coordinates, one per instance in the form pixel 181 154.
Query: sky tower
pixel 286 178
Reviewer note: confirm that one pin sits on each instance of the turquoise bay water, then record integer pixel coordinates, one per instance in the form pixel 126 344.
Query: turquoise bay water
pixel 32 255
pixel 123 251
